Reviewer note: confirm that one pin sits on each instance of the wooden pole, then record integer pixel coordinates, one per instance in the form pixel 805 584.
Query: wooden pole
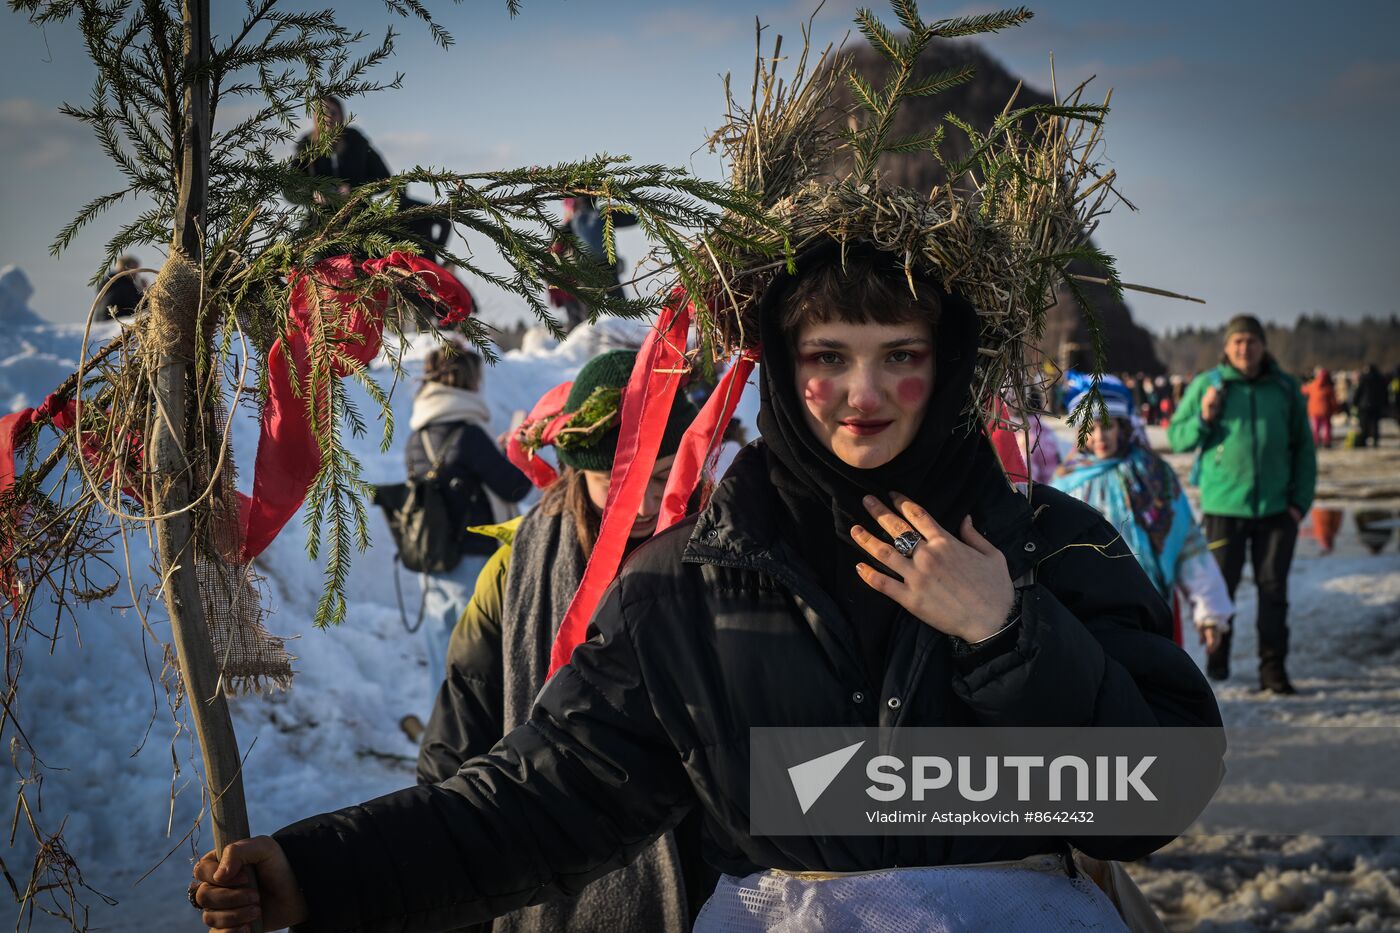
pixel 174 324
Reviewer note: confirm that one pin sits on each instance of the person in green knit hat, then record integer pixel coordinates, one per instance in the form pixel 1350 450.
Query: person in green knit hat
pixel 498 659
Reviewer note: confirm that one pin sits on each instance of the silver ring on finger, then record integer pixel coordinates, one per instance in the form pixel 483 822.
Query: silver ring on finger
pixel 190 895
pixel 906 542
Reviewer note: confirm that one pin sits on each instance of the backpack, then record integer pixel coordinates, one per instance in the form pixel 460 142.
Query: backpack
pixel 419 513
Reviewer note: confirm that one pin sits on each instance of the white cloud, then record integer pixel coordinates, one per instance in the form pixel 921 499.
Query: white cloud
pixel 33 136
pixel 403 149
pixel 1366 82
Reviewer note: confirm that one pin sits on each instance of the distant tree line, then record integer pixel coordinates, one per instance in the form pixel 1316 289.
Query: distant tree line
pixel 1313 340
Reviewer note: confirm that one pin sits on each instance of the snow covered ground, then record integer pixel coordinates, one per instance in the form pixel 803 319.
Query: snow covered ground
pixel 94 709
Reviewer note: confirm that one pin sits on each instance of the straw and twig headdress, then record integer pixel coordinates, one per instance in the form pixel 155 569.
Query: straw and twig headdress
pixel 1002 230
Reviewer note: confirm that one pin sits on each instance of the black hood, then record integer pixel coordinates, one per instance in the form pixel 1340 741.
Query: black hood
pixel 945 467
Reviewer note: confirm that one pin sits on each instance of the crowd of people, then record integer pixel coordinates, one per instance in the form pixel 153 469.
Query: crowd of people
pixel 867 561
pixel 335 158
pixel 1362 398
pixel 1254 430
pixel 535 787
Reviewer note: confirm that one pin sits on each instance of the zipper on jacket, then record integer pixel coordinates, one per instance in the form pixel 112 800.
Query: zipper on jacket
pixel 800 590
pixel 875 702
pixel 1254 451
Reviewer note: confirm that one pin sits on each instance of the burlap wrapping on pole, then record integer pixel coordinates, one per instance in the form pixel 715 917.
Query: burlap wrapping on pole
pixel 177 290
pixel 250 659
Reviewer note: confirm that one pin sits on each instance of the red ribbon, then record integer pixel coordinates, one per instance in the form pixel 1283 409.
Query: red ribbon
pixel 547 408
pixel 289 458
pixel 433 282
pixel 646 406
pixel 699 448
pixel 1004 443
pixel 62 413
pixel 15 433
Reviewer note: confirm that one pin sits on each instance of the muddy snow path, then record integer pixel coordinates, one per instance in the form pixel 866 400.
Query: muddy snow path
pixel 1344 658
pixel 1344 617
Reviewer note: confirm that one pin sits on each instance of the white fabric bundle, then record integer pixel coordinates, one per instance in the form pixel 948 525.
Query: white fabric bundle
pixel 1034 895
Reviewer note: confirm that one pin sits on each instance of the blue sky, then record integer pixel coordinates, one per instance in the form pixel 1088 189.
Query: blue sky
pixel 1257 138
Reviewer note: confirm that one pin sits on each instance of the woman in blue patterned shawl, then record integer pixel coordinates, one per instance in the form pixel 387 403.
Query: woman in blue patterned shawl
pixel 1117 473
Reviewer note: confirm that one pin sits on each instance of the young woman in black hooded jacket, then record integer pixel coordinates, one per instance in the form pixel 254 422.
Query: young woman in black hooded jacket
pixel 783 603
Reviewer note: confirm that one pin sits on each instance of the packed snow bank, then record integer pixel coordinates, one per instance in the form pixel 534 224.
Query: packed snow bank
pixel 35 356
pixel 97 714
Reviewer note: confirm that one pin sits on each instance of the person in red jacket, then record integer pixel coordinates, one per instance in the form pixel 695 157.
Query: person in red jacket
pixel 1322 405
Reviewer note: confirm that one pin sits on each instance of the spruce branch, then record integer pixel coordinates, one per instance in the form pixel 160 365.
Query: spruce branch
pixel 878 108
pixel 942 81
pixel 878 35
pixel 961 26
pixel 865 94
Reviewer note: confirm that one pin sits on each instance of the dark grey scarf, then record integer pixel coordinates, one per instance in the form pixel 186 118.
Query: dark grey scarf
pixel 546 565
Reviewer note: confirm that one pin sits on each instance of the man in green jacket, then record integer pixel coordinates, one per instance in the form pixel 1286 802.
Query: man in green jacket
pixel 1257 471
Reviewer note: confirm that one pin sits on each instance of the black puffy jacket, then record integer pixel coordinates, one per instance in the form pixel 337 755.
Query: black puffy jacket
pixel 122 297
pixel 712 628
pixel 357 163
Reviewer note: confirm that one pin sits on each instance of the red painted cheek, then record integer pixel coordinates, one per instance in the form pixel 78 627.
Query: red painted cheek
pixel 912 391
pixel 818 391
